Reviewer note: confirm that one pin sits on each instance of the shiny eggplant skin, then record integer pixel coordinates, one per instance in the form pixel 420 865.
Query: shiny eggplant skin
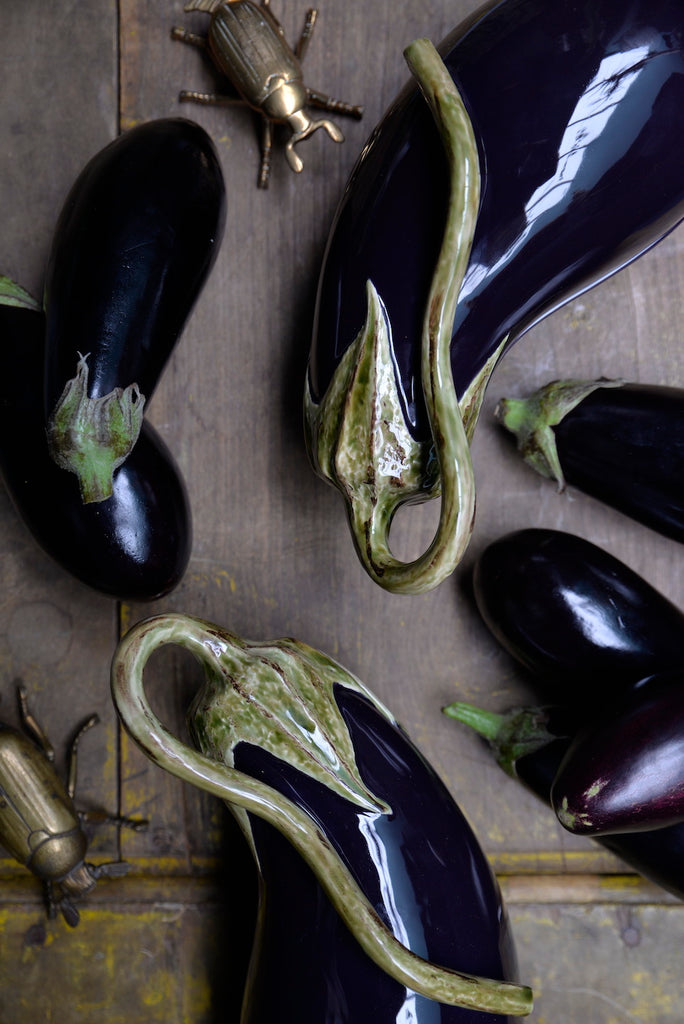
pixel 574 107
pixel 134 545
pixel 136 238
pixel 657 854
pixel 624 771
pixel 622 443
pixel 422 869
pixel 376 901
pixel 574 615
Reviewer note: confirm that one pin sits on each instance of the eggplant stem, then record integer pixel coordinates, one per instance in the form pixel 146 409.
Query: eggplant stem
pixel 357 435
pixel 239 790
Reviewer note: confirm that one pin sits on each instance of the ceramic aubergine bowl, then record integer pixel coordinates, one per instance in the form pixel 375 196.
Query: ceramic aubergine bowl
pixel 376 901
pixel 538 152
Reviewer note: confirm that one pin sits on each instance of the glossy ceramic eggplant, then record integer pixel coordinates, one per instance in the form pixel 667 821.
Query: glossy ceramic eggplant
pixel 135 544
pixel 622 443
pixel 530 744
pixel 575 616
pixel 624 770
pixel 564 146
pixel 363 855
pixel 136 238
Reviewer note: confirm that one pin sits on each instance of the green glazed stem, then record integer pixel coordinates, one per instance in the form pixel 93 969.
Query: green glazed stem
pixel 210 645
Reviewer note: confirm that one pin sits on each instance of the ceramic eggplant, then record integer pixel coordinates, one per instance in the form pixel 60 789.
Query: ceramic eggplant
pixel 136 544
pixel 515 187
pixel 530 744
pixel 624 770
pixel 135 240
pixel 575 616
pixel 376 901
pixel 622 443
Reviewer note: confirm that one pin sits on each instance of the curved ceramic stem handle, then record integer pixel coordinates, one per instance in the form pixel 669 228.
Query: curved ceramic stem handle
pixel 357 435
pixel 205 642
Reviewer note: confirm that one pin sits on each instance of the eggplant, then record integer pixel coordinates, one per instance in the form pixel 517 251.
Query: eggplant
pixel 363 856
pixel 530 744
pixel 134 545
pixel 620 442
pixel 552 116
pixel 134 243
pixel 136 238
pixel 577 618
pixel 624 770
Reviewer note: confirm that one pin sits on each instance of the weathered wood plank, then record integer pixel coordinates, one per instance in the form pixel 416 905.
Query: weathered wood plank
pixel 272 554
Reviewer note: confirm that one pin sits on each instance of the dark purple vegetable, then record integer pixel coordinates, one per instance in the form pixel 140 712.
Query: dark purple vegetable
pixel 530 743
pixel 362 852
pixel 135 241
pixel 573 108
pixel 574 615
pixel 136 238
pixel 622 443
pixel 135 544
pixel 624 771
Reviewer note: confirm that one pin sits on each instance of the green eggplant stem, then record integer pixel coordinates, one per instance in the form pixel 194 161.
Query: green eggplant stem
pixel 357 435
pixel 91 437
pixel 531 421
pixel 511 735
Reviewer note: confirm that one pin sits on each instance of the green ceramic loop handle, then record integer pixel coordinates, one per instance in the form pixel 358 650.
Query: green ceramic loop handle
pixel 204 641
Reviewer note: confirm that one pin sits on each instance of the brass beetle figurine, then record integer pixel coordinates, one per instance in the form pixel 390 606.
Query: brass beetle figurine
pixel 247 45
pixel 39 824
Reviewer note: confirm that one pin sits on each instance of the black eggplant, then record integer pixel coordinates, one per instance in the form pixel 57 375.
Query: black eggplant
pixel 553 117
pixel 575 616
pixel 134 243
pixel 622 443
pixel 134 545
pixel 530 744
pixel 362 853
pixel 624 770
pixel 135 240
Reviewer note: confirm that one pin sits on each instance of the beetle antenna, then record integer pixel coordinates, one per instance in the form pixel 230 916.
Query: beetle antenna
pixel 31 724
pixel 71 780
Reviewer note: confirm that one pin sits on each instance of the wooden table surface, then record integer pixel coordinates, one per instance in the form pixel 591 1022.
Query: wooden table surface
pixel 272 554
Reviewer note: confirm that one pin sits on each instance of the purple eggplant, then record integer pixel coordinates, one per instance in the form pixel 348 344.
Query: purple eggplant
pixel 91 478
pixel 570 107
pixel 622 443
pixel 361 851
pixel 575 616
pixel 136 238
pixel 530 744
pixel 134 545
pixel 624 771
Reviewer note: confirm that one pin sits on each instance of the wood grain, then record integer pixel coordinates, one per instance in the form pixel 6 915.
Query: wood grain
pixel 272 555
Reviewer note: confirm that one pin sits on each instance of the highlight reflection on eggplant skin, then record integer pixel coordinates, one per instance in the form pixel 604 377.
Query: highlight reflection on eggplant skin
pixel 575 107
pixel 574 615
pixel 422 868
pixel 624 771
pixel 134 545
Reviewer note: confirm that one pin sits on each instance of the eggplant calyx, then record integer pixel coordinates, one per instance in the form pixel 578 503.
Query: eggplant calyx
pixel 511 735
pixel 379 466
pixel 91 437
pixel 531 421
pixel 12 294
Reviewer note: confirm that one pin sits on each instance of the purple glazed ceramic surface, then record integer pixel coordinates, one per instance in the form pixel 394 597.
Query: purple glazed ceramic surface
pixel 422 868
pixel 577 113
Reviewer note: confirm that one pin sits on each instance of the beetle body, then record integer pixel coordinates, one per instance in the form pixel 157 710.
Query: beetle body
pixel 39 825
pixel 247 45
